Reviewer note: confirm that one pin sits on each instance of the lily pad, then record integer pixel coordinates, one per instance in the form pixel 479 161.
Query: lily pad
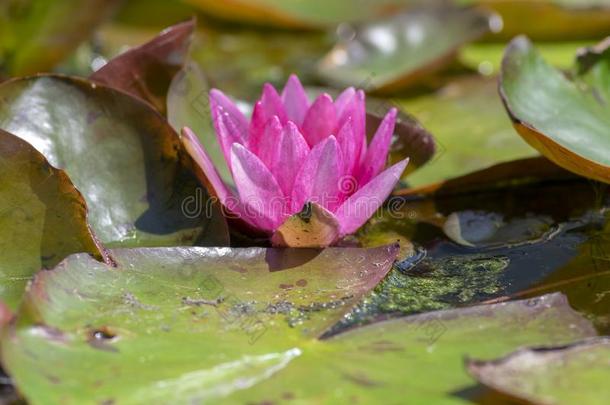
pixel 179 324
pixel 299 14
pixel 416 359
pixel 43 218
pixel 35 35
pixel 568 121
pixel 575 373
pixel 122 156
pixel 470 127
pixel 146 71
pixel 388 55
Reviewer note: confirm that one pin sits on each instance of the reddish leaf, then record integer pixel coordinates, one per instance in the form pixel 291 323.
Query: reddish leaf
pixel 147 70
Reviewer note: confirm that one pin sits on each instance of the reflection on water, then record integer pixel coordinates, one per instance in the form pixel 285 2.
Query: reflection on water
pixel 551 236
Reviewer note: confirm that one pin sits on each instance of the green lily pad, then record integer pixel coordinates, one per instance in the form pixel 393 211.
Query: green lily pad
pixel 299 14
pixel 470 128
pixel 416 359
pixel 388 55
pixel 179 324
pixel 122 156
pixel 576 373
pixel 146 71
pixel 43 218
pixel 568 121
pixel 35 35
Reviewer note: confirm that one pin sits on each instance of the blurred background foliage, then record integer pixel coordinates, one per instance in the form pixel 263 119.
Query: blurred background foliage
pixel 435 59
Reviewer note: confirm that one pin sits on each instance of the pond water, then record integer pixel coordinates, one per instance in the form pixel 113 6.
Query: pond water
pixel 504 243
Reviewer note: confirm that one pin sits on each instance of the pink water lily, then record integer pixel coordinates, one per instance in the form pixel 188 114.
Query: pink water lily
pixel 293 155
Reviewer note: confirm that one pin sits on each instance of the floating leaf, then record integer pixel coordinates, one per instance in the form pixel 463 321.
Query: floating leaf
pixel 575 373
pixel 300 14
pixel 123 156
pixel 35 35
pixel 43 218
pixel 388 55
pixel 568 121
pixel 470 128
pixel 416 359
pixel 146 71
pixel 180 324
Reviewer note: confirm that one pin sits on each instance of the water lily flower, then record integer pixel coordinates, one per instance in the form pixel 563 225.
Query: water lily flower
pixel 303 172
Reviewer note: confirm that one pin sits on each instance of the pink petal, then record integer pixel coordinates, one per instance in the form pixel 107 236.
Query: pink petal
pixel 319 177
pixel 347 143
pixel 227 131
pixel 269 144
pixel 320 120
pixel 293 152
pixel 295 100
pixel 202 159
pixel 269 105
pixel 357 209
pixel 378 150
pixel 355 109
pixel 261 196
pixel 218 99
pixel 344 99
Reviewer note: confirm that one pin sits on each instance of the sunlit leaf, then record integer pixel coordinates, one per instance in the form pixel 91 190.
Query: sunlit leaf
pixel 568 121
pixel 43 218
pixel 180 325
pixel 121 155
pixel 391 54
pixel 417 359
pixel 576 373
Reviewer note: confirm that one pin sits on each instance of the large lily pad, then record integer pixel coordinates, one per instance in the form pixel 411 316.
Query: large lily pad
pixel 470 127
pixel 388 55
pixel 179 324
pixel 37 34
pixel 576 373
pixel 146 71
pixel 43 218
pixel 417 359
pixel 566 120
pixel 122 155
pixel 296 13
